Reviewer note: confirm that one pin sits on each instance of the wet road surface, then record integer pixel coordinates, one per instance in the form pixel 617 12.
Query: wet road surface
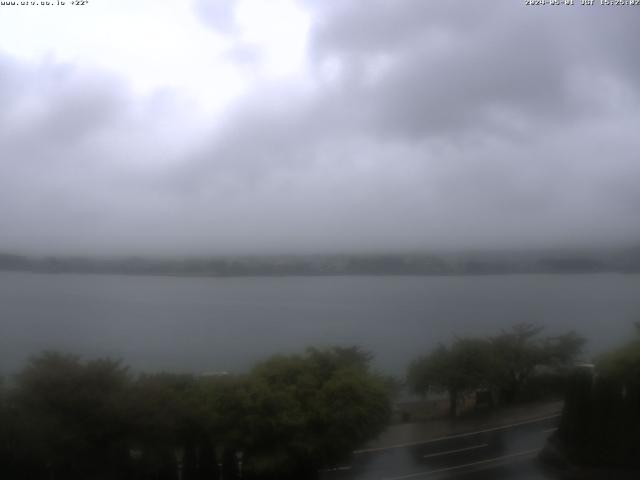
pixel 506 452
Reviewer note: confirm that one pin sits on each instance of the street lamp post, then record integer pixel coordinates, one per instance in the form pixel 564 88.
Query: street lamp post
pixel 219 451
pixel 239 455
pixel 50 470
pixel 135 454
pixel 179 455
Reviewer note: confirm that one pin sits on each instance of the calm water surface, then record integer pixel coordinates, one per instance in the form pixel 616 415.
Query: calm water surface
pixel 215 324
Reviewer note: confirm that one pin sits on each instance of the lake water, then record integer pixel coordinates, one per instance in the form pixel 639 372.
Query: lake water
pixel 226 324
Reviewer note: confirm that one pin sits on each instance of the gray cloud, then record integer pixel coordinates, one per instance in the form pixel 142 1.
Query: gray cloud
pixel 216 13
pixel 458 67
pixel 422 126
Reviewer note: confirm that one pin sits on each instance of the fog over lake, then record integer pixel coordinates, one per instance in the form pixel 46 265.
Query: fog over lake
pixel 301 128
pixel 225 324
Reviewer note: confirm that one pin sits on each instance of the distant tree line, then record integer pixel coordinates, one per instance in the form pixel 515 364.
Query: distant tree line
pixel 360 264
pixel 64 418
pixel 515 365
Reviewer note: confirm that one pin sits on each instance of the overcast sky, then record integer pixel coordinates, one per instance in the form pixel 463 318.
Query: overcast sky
pixel 253 126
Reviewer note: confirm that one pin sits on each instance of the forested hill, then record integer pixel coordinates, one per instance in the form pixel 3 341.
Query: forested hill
pixel 627 261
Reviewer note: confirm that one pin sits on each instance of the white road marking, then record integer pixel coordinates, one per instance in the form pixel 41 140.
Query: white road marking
pixel 336 469
pixel 549 430
pixel 466 465
pixel 459 435
pixel 431 455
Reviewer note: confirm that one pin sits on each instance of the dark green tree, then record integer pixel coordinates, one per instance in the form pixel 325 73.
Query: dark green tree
pixel 71 414
pixel 167 421
pixel 600 421
pixel 308 411
pixel 74 419
pixel 461 368
pixel 520 351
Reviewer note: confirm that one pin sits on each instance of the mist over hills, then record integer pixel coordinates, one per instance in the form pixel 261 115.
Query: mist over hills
pixel 625 260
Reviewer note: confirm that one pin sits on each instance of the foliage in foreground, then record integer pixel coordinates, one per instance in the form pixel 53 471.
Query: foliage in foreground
pixel 600 425
pixel 66 418
pixel 504 365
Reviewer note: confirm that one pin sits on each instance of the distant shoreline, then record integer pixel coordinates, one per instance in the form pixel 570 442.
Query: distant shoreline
pixel 621 262
pixel 318 275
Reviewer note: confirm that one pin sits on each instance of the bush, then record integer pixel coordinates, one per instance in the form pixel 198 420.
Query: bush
pixel 67 418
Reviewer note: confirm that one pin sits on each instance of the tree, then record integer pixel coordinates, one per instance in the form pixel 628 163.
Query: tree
pixel 459 369
pixel 504 363
pixel 71 414
pixel 69 418
pixel 520 351
pixel 517 355
pixel 623 363
pixel 307 411
pixel 562 350
pixel 600 422
pixel 167 420
pixel 5 419
pixel 224 406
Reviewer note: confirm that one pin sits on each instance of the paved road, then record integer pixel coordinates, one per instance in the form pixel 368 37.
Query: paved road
pixel 506 452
